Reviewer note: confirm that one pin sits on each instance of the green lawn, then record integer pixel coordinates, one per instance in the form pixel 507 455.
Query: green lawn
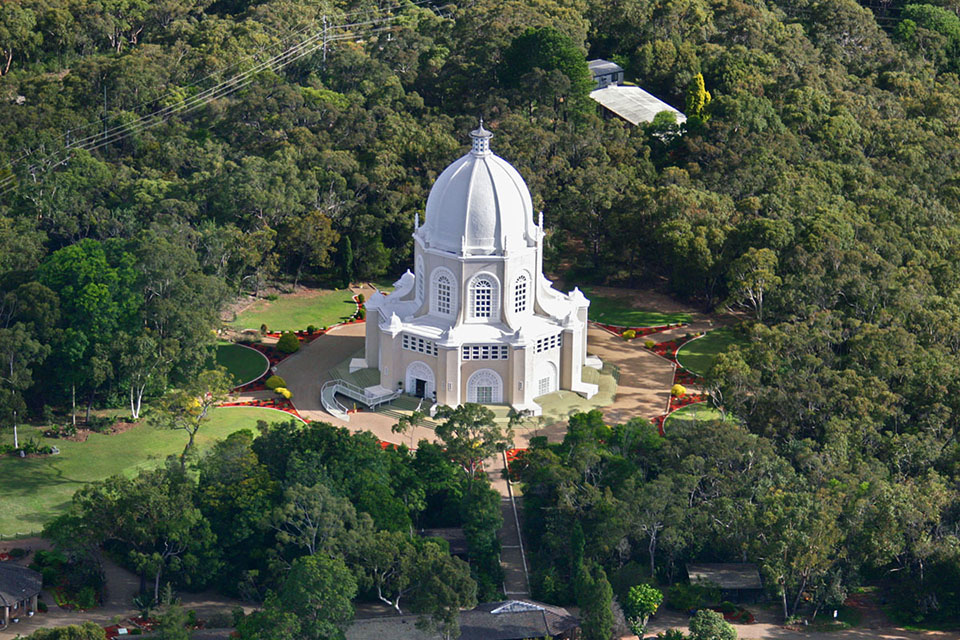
pixel 243 363
pixel 297 311
pixel 699 412
pixel 698 355
pixel 614 310
pixel 35 490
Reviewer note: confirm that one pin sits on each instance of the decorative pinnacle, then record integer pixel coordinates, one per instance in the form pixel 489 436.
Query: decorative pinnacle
pixel 481 140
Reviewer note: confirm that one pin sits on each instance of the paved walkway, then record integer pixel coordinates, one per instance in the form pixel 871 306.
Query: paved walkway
pixel 645 378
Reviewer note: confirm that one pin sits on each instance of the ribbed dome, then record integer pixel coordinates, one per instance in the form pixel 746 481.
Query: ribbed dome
pixel 480 203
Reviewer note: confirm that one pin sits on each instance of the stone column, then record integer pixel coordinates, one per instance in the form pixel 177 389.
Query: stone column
pixel 6 617
pixel 33 604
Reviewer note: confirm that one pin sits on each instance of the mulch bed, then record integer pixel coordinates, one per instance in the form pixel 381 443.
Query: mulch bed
pixel 617 330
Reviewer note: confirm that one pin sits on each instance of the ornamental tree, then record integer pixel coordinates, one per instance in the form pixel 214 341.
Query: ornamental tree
pixel 188 408
pixel 642 602
pixel 471 435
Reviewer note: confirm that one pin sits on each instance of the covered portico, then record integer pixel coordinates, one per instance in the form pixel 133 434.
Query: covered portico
pixel 19 589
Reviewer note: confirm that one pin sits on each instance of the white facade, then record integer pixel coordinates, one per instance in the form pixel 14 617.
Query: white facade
pixel 477 321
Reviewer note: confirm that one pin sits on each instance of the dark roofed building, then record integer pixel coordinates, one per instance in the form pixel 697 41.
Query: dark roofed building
pixel 19 588
pixel 508 620
pixel 454 536
pixel 738 581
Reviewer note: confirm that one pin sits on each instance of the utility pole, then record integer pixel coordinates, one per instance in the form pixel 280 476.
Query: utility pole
pixel 324 40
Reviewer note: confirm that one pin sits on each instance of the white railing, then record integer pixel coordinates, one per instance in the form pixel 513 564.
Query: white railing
pixel 328 396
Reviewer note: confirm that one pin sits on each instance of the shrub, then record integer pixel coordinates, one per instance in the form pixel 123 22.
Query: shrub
pixel 275 381
pixel 678 390
pixel 311 329
pixel 629 334
pixel 684 596
pixel 50 576
pixel 100 424
pixel 649 344
pixel 272 297
pixel 361 313
pixel 87 598
pixel 41 606
pixel 361 298
pixel 17 552
pixel 284 392
pixel 671 634
pixel 288 343
pixel 727 607
pixel 264 329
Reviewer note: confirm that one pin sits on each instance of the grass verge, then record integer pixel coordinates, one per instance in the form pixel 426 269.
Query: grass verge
pixel 297 311
pixel 614 310
pixel 698 355
pixel 243 363
pixel 36 490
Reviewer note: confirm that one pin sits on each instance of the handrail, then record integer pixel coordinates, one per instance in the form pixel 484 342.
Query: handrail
pixel 338 408
pixel 357 393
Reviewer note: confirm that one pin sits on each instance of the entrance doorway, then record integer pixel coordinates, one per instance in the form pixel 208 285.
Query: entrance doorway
pixel 421 388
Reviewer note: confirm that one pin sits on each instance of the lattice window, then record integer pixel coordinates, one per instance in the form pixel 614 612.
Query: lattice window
pixel 444 294
pixel 420 345
pixel 548 343
pixel 485 352
pixel 484 395
pixel 482 298
pixel 520 294
pixel 545 386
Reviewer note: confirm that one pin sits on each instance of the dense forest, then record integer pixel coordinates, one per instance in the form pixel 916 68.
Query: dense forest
pixel 817 188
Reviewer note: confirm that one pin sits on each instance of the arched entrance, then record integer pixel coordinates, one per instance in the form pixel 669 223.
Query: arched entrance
pixel 420 381
pixel 485 387
pixel 545 378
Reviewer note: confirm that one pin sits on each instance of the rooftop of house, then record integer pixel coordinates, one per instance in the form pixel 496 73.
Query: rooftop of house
pixel 17 583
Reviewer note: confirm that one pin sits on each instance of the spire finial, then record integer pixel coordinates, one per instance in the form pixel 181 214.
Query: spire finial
pixel 481 140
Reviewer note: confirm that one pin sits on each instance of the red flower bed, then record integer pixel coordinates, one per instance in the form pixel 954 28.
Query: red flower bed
pixel 4 557
pixel 677 402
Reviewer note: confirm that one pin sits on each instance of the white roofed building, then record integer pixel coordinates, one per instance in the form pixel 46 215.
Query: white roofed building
pixel 477 321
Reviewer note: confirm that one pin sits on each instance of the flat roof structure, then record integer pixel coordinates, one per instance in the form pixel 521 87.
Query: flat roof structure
pixel 734 575
pixel 633 104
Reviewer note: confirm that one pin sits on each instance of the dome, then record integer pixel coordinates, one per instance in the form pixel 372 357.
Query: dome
pixel 480 204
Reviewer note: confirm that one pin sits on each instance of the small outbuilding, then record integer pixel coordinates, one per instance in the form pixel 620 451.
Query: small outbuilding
pixel 19 589
pixel 738 581
pixel 605 72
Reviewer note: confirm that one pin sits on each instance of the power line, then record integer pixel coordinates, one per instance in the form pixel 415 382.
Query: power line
pixel 220 90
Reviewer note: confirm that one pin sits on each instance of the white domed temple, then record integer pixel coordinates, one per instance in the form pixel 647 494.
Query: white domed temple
pixel 477 321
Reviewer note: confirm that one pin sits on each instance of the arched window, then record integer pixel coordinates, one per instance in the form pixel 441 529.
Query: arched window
pixel 444 293
pixel 520 293
pixel 421 276
pixel 484 297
